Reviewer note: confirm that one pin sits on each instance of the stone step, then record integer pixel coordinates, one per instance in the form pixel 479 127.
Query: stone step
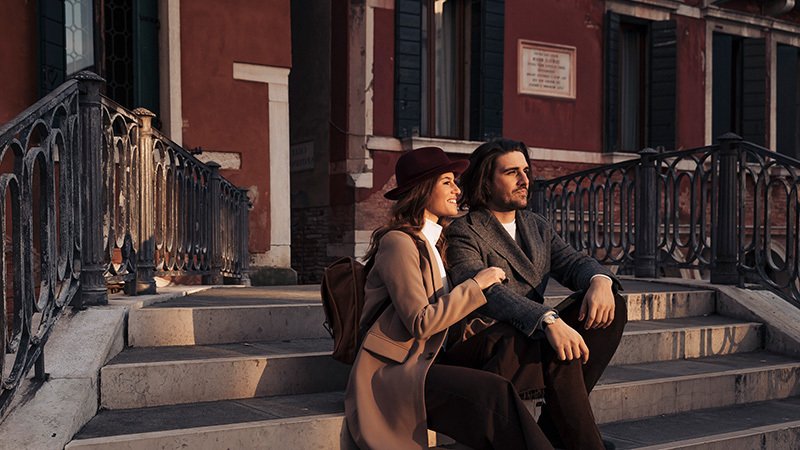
pixel 152 327
pixel 229 315
pixel 766 425
pixel 690 337
pixel 637 391
pixel 311 421
pixel 314 420
pixel 669 304
pixel 142 377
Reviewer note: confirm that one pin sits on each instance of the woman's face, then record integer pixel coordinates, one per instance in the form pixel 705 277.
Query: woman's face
pixel 442 201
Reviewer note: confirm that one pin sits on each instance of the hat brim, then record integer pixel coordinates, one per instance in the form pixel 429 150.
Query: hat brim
pixel 457 167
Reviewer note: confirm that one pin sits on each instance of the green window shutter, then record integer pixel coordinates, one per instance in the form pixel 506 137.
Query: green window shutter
pixel 145 53
pixel 52 45
pixel 486 78
pixel 754 90
pixel 786 86
pixel 611 82
pixel 663 75
pixel 408 67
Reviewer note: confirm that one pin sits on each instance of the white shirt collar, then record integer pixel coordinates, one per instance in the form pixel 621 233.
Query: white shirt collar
pixel 431 230
pixel 511 228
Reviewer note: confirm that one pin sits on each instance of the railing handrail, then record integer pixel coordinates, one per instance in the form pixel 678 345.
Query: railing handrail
pixel 690 201
pixel 185 153
pixel 109 209
pixel 591 171
pixel 32 113
pixel 763 151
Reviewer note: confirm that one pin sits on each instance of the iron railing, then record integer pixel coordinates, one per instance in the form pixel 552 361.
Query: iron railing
pixel 91 196
pixel 41 221
pixel 728 211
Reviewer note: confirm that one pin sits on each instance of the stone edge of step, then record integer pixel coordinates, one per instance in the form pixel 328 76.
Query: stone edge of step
pixel 122 438
pixel 723 437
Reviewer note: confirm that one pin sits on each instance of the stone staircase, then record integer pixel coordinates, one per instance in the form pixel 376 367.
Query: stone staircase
pixel 249 368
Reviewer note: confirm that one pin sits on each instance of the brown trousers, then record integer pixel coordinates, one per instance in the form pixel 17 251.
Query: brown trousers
pixel 531 366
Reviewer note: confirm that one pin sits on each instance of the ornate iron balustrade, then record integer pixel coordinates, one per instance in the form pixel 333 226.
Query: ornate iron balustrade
pixel 769 219
pixel 91 196
pixel 729 211
pixel 40 205
pixel 593 210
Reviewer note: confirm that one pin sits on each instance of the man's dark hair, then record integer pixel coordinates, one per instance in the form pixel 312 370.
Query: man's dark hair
pixel 476 180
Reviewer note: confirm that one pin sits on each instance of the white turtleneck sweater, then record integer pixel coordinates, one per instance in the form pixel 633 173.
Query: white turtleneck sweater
pixel 432 230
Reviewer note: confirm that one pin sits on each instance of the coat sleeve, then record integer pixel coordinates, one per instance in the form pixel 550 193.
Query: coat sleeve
pixel 397 263
pixel 568 266
pixel 465 259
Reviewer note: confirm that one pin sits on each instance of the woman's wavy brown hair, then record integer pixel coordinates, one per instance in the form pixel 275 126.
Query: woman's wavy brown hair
pixel 408 214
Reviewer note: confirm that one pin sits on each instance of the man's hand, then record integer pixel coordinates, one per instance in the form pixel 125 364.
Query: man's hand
pixel 567 342
pixel 598 304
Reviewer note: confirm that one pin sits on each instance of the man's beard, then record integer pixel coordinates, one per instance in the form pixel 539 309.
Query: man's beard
pixel 513 203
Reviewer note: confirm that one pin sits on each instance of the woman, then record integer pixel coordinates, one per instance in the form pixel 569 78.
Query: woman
pixel 396 390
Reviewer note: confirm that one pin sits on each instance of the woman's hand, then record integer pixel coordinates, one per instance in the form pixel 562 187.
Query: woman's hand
pixel 567 342
pixel 489 276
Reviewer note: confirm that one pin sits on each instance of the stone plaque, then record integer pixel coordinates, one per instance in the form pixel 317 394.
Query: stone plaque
pixel 546 69
pixel 301 156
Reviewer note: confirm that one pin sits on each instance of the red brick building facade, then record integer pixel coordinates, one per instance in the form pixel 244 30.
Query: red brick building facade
pixel 623 75
pixel 214 73
pixel 309 103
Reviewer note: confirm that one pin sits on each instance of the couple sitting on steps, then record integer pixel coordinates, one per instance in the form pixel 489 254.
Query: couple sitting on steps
pixel 455 350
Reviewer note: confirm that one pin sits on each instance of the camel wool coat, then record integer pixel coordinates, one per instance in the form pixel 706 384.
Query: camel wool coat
pixel 384 401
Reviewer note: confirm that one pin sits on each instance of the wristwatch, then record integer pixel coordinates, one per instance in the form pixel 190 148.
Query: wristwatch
pixel 549 318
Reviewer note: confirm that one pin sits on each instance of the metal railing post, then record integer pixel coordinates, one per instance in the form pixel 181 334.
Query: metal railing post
pixel 244 254
pixel 725 251
pixel 145 282
pixel 214 238
pixel 645 263
pixel 93 258
pixel 538 196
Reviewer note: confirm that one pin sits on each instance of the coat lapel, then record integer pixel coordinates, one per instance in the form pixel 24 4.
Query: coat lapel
pixel 531 239
pixel 432 268
pixel 489 229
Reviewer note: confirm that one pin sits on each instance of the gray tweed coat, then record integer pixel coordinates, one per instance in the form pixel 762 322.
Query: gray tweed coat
pixel 478 240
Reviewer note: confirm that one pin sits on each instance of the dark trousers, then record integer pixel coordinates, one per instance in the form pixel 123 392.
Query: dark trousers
pixel 532 366
pixel 479 409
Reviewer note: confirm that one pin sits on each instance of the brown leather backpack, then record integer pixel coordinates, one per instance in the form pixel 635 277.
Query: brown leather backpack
pixel 343 300
pixel 342 293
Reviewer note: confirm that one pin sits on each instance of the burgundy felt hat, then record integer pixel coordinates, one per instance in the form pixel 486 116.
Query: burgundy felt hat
pixel 419 164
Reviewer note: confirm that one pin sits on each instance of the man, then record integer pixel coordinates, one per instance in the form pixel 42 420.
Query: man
pixel 499 231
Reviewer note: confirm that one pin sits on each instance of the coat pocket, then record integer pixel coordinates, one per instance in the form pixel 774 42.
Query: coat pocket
pixel 382 346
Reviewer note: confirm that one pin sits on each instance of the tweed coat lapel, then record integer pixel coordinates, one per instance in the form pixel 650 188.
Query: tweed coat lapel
pixel 531 238
pixel 489 229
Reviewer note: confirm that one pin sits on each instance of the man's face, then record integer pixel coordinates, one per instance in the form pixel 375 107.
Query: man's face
pixel 509 186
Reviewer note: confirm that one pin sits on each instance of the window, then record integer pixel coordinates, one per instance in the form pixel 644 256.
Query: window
pixel 449 68
pixel 117 39
pixel 444 68
pixel 788 101
pixel 79 34
pixel 640 74
pixel 739 87
pixel 632 86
